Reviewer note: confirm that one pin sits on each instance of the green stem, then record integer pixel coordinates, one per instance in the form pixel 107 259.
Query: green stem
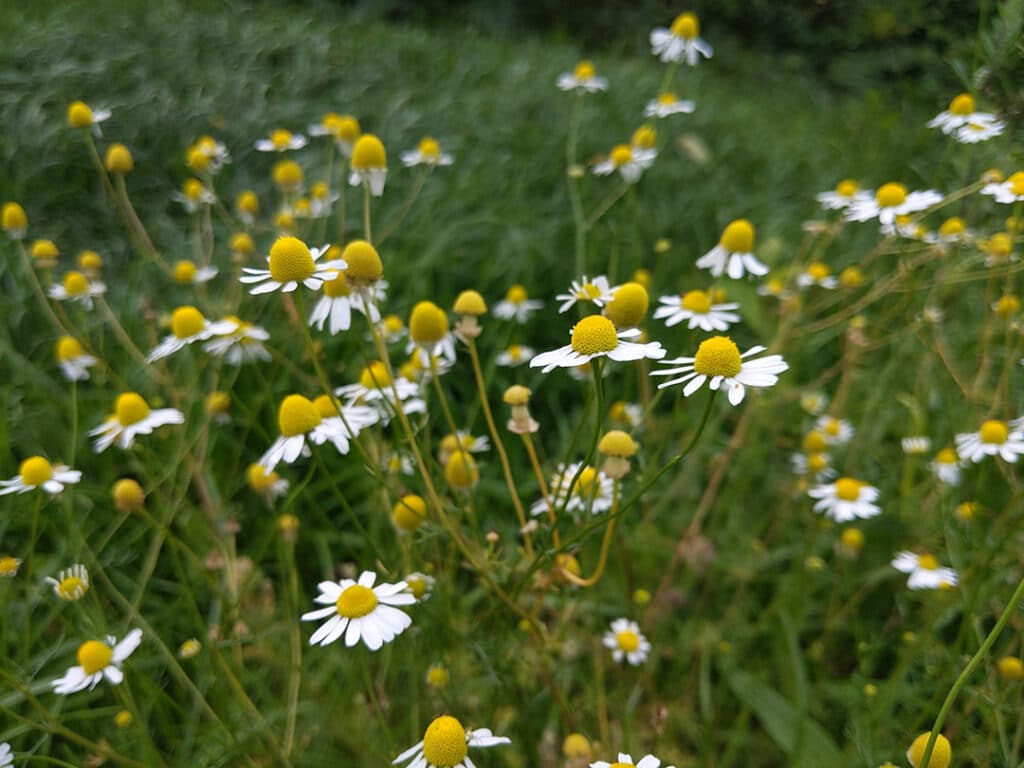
pixel 29 557
pixel 366 212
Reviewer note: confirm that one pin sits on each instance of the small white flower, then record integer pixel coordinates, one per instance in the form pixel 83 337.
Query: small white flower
pixel 37 472
pixel 582 80
pixel 592 492
pixel 77 287
pixel 337 304
pixel 216 152
pixel 626 642
pixel 817 274
pixel 516 354
pixel 718 361
pixel 420 586
pixel 889 201
pixel 734 254
pixel 982 128
pixel 187 273
pixel 194 195
pixel 598 291
pixel 1006 192
pixel 836 431
pixel 132 416
pixel 376 389
pixel 961 114
pixel 72 360
pixel 292 262
pixel 300 419
pixel 446 745
pixel 925 571
pixel 516 304
pixel 281 141
pixel 667 104
pixel 187 327
pixel 696 308
pixel 6 755
pixel 595 336
pixel 242 345
pixel 360 611
pixel 427 153
pixel 813 464
pixel 916 445
pixel 840 198
pixel 846 499
pixel 946 467
pixel 71 583
pixel 993 438
pixel 98 660
pixel 629 161
pixel 680 42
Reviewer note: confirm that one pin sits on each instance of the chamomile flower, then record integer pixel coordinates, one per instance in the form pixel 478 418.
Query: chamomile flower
pixel 626 414
pixel 207 155
pixel 516 354
pixel 815 465
pixel 74 363
pixel 321 200
pixel 718 361
pixel 583 79
pixel 396 463
pixel 626 643
pixel 9 566
pixel 516 304
pixel 391 328
pixel 835 431
pixel 427 153
pixel 681 41
pixel 916 444
pixel 595 336
pixel 81 115
pixel 598 291
pixel 889 201
pixel 668 104
pixel 952 230
pixel 37 472
pixel 291 262
pixel 960 113
pixel 269 484
pixel 925 571
pixel 187 327
pixel 838 199
pixel 132 416
pixel 300 419
pixel 592 492
pixel 281 140
pixel 697 309
pixel 817 273
pixel 344 129
pixel 1006 192
pixel 846 499
pixel 98 660
pixel 71 584
pixel 946 467
pixel 993 438
pixel 733 256
pixel 942 753
pixel 446 744
pixel 430 334
pixel 979 129
pixel 369 164
pixel 629 161
pixel 14 220
pixel 360 611
pixel 337 304
pixel 194 195
pixel 461 442
pixel 420 586
pixel 187 273
pixel 626 761
pixel 77 287
pixel 244 344
pixel 376 389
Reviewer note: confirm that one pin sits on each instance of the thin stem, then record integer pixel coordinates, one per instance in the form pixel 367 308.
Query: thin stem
pixel 404 210
pixel 29 558
pixel 366 213
pixel 295 665
pixel 606 205
pixel 605 546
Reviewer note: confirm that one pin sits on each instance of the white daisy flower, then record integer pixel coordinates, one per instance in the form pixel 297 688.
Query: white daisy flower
pixel 583 79
pixel 952 230
pixel 815 465
pixel 696 308
pixel 845 193
pixel 360 611
pixel 718 359
pixel 187 327
pixel 398 463
pixel 982 128
pixel 836 431
pixel 517 305
pixel 292 262
pixel 242 345
pixel 374 389
pixel 321 200
pixel 187 273
pixel 624 761
pixel 680 42
pixel 131 417
pixel 461 441
pixel 597 291
pixel 71 583
pixel 446 744
pixel 443 350
pixel 281 141
pixel 337 304
pixel 993 438
pixel 97 660
pixel 369 164
pixel 916 444
pixel 80 115
pixel 344 129
pixel 946 467
pixel 72 360
pixel 961 112
pixel 628 414
pixel 194 195
pixel 817 273
pixel 595 336
pixel 592 492
pixel 427 153
pixel 774 287
pixel 1009 191
pixel 626 642
pixel 215 152
pixel 300 418
pixel 37 472
pixel 733 255
pixel 846 499
pixel 629 161
pixel 420 586
pixel 516 354
pixel 77 287
pixel 668 104
pixel 889 201
pixel 925 571
pixel 270 484
pixel 9 566
pixel 391 328
pixel 813 403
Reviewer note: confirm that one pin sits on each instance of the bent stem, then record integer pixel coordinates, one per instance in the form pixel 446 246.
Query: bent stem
pixel 602 559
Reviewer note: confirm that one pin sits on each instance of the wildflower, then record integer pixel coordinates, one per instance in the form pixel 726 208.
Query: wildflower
pixel 979 130
pixel 360 611
pixel 344 129
pixel 846 499
pixel 999 249
pixel 583 79
pixel 845 193
pixel 576 746
pixel 626 642
pixel 44 253
pixel 14 221
pixel 71 584
pixel 369 164
pixel 128 495
pixel 941 755
pixel 420 585
pixel 967 510
pixel 521 423
pixel 946 467
pixel 207 155
pixel 952 230
pixel 1009 191
pixel 626 414
pixel 597 291
pixel 131 417
pixel 924 571
pixel 376 389
pixel 288 525
pixel 916 445
pixel 668 104
pixel 409 513
pixel 469 306
pixel 446 744
pixel 835 431
pixel 428 331
pixel 427 153
pixel 592 492
pixel 247 205
pixel 629 161
pixel 817 274
pixel 97 660
pixel 734 253
pixel 628 305
pixel 398 463
pixel 697 309
pixel 1011 668
pixel 515 354
pixel 281 140
pixel 337 304
pixel 9 566
pixel 813 402
pixel 187 327
pixel 291 262
pixel 37 472
pixel 889 201
pixel 244 344
pixel 461 472
pixel 118 160
pixel 72 360
pixel 187 273
pixel 618 446
pixel 80 115
pixel 719 360
pixel 595 336
pixel 816 464
pixel 962 114
pixel 516 304
pixel 851 542
pixel 680 42
pixel 194 195
pixel 299 418
pixel 993 438
pixel 437 676
pixel 77 287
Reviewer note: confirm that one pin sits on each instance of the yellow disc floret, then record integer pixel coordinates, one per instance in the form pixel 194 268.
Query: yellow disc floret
pixel 186 322
pixel 375 376
pixel 290 260
pixel 738 237
pixel 75 284
pixel 686 26
pixel 617 443
pixel 628 305
pixel 1011 668
pixel 470 303
pixel 846 188
pixel 44 250
pixel 461 470
pixel 35 471
pixel 627 640
pixel 584 71
pixel 337 287
pixel 259 479
pixel 94 656
pixel 994 432
pixel 13 218
pixel 444 743
pixel 128 495
pixel 119 159
pixel 952 227
pixel 363 261
pixel 297 416
pixel 368 153
pixel 927 562
pixel 429 149
pixel 248 203
pixel 281 139
pixel 941 755
pixel 621 155
pixel 644 137
pixel 717 356
pixel 851 277
pixel 962 105
pixel 848 489
pixel 516 294
pixel 409 513
pixel 890 195
pixel 853 538
pixel 428 323
pixel 697 302
pixel 594 334
pixel 79 115
pixel 1007 306
pixel 130 408
pixel 356 601
pixel 68 348
pixel 241 242
pixel 185 272
pixel 667 98
pixel 818 271
pixel 287 174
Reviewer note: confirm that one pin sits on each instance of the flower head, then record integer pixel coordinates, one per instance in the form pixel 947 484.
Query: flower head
pixel 81 115
pixel 289 263
pixel 318 421
pixel 1006 192
pixel 71 583
pixel 626 642
pixel 846 499
pixel 668 104
pixel 583 79
pixel 77 287
pixel 598 291
pixel 74 363
pixel 994 438
pixel 626 761
pixel 517 305
pixel 427 153
pixel 596 336
pixel 925 571
pixel 132 416
pixel 98 659
pixel 734 254
pixel 941 755
pixel 369 164
pixel 698 309
pixel 37 472
pixel 890 201
pixel 446 744
pixel 681 41
pixel 281 140
pixel 187 327
pixel 718 361
pixel 629 161
pixel 13 220
pixel 360 611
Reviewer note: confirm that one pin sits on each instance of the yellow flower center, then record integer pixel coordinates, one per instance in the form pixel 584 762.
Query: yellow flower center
pixel 337 287
pixel 302 208
pixel 363 261
pixel 197 159
pixel 846 188
pixel 130 409
pixel 290 260
pixel 356 601
pixel 1016 182
pixel 368 152
pixel 119 159
pixel 851 277
pixel 587 485
pixel 13 217
pixel 186 322
pixel 1007 306
pixel 644 137
pixel 461 471
pixel 327 406
pixel 470 303
pixel 1000 244
pixel 667 98
pixel 428 323
pixel 621 155
pixel 832 427
pixel 627 640
pixel 738 237
pixel 941 755
pixel 994 432
pixel 9 566
pixel 437 677
pixel 686 26
pixel 375 375
pixel 890 195
pixel 44 249
pixel 946 456
pixel 429 148
pixel 184 272
pixel 814 442
pixel 393 324
pixel 617 443
pixel 409 513
pixel 347 128
pixel 297 416
pixel 35 471
pixel 71 588
pixel 192 189
pixel 287 174
pixel 281 139
pixel 717 356
pixel 128 495
pixel 818 271
pixel 962 105
pixel 417 585
pixel 516 294
pixel 594 334
pixel 79 115
pixel 515 353
pixel 816 462
pixel 319 191
pixel 623 765
pixel 242 243
pixel 68 349
pixel 259 479
pixel 584 71
pixel 628 306
pixel 927 562
pixel 75 284
pixel 853 538
pixel 697 302
pixel 848 489
pixel 94 656
pixel 444 743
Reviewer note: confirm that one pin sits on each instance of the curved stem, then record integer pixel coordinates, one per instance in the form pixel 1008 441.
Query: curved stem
pixel 404 210
pixel 545 494
pixel 605 546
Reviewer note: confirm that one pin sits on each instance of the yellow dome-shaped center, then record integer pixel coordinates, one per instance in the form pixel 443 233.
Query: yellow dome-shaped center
pixel 628 306
pixel 130 408
pixel 587 484
pixel 375 375
pixel 337 287
pixel 962 105
pixel 184 272
pixel 594 334
pixel 368 152
pixel 429 148
pixel 417 585
pixel 952 226
pixel 621 155
pixel 75 284
pixel 644 137
pixel 667 98
pixel 410 512
pixel 627 640
pixel 941 756
pixel 927 562
pixel 187 322
pixel 814 442
pixel 846 188
pixel 697 302
pixel 617 443
pixel 297 416
pixel 363 261
pixel 94 656
pixel 35 471
pixel 516 294
pixel 71 588
pixel 738 237
pixel 13 217
pixel 286 173
pixel 817 462
pixel 444 743
pixel 356 601
pixel 686 26
pixel 994 432
pixel 290 260
pixel 717 356
pixel 281 139
pixel 818 271
pixel 68 349
pixel 428 323
pixel 1016 182
pixel 584 70
pixel 79 115
pixel 192 189
pixel 890 195
pixel 848 489
pixel 461 470
pixel 348 128
pixel 259 479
